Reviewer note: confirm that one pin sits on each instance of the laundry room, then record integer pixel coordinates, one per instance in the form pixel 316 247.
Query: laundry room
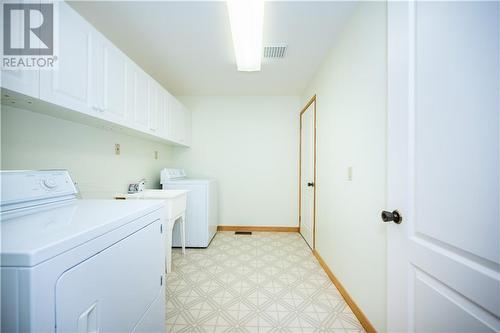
pixel 250 166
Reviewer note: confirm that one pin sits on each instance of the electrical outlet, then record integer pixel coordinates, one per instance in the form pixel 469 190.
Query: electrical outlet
pixel 156 154
pixel 117 149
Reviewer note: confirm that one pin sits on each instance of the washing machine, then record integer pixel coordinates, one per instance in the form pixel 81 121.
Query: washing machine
pixel 201 208
pixel 73 265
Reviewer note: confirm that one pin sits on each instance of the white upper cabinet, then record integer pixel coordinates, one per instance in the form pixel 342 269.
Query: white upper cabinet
pixel 175 120
pixel 26 82
pixel 184 124
pixel 97 75
pixel 180 124
pixel 154 89
pixel 187 126
pixel 109 80
pixel 69 85
pixel 95 78
pixel 141 99
pixel 163 113
pixel 115 82
pixel 130 94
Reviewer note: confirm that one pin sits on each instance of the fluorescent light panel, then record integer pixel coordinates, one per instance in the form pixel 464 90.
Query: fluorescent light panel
pixel 247 20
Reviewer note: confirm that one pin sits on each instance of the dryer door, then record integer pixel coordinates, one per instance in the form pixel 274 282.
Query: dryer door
pixel 110 291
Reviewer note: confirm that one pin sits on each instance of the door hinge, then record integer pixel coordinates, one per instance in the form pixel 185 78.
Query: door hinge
pixel 161 280
pixel 161 228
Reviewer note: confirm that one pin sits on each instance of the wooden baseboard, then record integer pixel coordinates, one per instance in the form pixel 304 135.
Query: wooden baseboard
pixel 256 228
pixel 357 311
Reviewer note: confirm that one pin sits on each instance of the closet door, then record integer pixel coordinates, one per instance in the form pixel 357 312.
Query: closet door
pixel 308 173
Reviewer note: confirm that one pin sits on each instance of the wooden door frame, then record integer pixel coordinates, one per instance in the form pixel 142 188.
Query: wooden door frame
pixel 311 101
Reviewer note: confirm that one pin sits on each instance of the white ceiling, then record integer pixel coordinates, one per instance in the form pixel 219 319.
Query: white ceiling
pixel 187 47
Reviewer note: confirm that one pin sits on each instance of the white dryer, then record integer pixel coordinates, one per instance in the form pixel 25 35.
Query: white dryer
pixel 201 209
pixel 70 265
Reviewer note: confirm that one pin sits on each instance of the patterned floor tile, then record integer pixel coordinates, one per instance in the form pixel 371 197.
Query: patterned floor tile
pixel 266 282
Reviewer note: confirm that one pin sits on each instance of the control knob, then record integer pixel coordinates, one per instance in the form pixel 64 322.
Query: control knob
pixel 49 183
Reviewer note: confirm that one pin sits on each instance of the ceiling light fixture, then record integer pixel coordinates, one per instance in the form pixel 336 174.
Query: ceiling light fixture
pixel 247 20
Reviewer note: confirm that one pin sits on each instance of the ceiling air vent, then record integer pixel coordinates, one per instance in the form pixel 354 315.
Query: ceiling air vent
pixel 274 51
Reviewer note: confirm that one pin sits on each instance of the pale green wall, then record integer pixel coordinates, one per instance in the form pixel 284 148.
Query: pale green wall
pixel 351 131
pixel 35 141
pixel 250 145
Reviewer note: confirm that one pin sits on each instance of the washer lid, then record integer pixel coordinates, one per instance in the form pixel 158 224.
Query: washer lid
pixel 29 237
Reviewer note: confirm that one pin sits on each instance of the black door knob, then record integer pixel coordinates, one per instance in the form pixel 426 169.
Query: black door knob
pixel 394 216
pixel 310 184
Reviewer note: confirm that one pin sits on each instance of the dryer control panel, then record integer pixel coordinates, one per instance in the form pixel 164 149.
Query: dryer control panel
pixel 171 174
pixel 28 188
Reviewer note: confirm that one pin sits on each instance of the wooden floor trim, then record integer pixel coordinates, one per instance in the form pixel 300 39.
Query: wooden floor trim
pixel 256 228
pixel 354 307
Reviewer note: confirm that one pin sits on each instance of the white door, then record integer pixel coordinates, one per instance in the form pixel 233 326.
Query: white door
pixel 308 172
pixel 443 170
pixel 110 291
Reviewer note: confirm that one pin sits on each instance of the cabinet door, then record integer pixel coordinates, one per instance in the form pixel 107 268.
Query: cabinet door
pixel 68 86
pixel 26 82
pixel 109 80
pixel 171 117
pixel 187 126
pixel 153 106
pixel 130 94
pixel 96 88
pixel 115 83
pixel 163 114
pixel 181 123
pixel 141 99
pixel 175 124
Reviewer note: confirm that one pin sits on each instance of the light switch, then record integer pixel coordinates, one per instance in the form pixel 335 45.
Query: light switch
pixel 156 154
pixel 117 149
pixel 349 173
